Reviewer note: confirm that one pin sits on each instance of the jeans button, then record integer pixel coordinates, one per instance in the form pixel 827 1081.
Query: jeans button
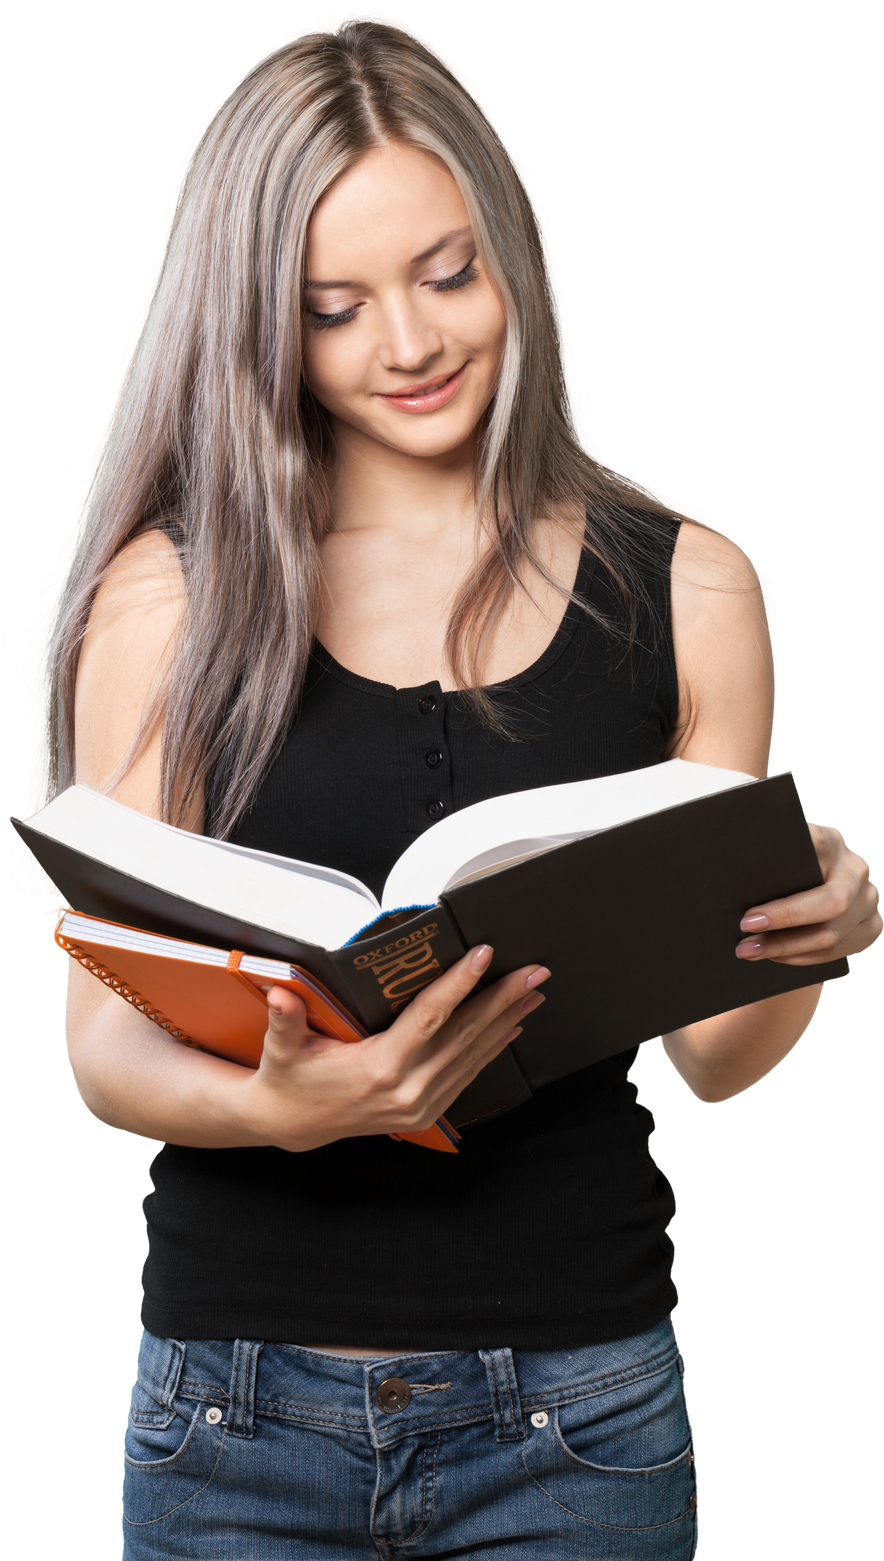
pixel 392 1395
pixel 213 1416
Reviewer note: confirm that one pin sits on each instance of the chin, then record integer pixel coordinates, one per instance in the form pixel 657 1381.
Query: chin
pixel 427 443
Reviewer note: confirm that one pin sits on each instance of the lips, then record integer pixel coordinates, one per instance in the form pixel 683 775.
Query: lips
pixel 431 397
pixel 424 389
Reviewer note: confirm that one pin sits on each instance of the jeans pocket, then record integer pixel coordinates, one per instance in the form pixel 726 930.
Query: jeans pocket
pixel 172 1455
pixel 621 1458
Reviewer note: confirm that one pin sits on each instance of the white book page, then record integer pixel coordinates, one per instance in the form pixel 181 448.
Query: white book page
pixel 552 812
pixel 298 899
pixel 508 855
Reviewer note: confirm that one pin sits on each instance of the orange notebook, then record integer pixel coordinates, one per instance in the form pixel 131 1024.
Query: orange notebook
pixel 209 998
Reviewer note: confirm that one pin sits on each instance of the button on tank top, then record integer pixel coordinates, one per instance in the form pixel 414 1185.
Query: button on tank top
pixel 549 1227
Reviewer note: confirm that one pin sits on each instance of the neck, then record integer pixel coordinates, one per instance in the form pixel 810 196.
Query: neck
pixel 420 498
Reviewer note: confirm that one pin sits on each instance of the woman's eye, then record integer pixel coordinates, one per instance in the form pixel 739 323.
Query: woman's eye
pixel 322 322
pixel 447 284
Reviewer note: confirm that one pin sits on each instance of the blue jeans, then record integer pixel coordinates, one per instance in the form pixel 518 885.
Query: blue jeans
pixel 242 1451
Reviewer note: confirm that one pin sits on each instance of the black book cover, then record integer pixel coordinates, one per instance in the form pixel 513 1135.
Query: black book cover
pixel 637 923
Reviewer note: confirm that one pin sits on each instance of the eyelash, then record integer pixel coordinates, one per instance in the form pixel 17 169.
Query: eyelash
pixel 446 284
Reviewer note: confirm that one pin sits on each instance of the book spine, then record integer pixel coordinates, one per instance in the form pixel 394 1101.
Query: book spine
pixel 380 974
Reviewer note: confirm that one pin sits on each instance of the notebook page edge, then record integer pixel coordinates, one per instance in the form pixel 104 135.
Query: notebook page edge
pixel 90 929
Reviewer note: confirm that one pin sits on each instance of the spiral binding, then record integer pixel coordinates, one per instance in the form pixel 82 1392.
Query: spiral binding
pixel 128 992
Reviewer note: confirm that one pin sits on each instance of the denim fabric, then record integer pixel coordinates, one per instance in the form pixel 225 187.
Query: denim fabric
pixel 271 1452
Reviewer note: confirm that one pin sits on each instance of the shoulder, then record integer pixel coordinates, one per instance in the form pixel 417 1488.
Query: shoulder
pixel 137 610
pixel 705 558
pixel 722 653
pixel 145 577
pixel 714 589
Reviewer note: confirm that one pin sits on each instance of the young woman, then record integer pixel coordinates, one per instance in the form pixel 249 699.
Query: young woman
pixel 346 570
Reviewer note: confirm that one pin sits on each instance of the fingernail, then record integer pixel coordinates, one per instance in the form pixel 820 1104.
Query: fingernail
pixel 481 959
pixel 750 948
pixel 538 976
pixel 756 922
pixel 532 1002
pixel 512 1035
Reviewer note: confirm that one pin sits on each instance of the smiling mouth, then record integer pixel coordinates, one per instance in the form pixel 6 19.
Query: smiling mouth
pixel 424 389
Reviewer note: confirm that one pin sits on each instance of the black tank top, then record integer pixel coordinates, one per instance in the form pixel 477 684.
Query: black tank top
pixel 549 1227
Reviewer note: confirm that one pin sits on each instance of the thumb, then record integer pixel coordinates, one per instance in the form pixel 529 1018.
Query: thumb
pixel 287 1027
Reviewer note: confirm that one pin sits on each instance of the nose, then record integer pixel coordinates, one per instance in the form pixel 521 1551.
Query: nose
pixel 408 342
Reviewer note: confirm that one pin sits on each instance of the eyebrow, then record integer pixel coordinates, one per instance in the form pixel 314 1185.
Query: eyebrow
pixel 427 254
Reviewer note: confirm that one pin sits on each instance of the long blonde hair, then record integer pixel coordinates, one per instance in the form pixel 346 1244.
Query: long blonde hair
pixel 211 443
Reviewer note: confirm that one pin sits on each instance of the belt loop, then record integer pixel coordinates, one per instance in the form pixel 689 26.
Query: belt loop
pixel 241 1414
pixel 509 1423
pixel 163 1366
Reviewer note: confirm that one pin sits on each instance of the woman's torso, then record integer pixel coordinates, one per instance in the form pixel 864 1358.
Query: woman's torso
pixel 550 672
pixel 386 625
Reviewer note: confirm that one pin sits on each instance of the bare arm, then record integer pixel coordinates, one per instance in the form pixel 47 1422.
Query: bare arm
pixel 309 1089
pixel 132 1075
pixel 727 676
pixel 131 633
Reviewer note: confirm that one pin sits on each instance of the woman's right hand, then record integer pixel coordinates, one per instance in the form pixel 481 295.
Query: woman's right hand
pixel 311 1089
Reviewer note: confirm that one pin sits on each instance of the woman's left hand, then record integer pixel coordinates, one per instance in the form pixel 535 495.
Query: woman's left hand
pixel 840 917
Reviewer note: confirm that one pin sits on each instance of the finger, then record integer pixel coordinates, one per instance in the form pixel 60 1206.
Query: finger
pixel 439 1089
pixel 815 906
pixel 281 1002
pixel 428 1011
pixel 513 991
pixel 851 937
pixel 287 1026
pixel 480 1021
pixel 435 1004
pixel 433 1008
pixel 448 1068
pixel 861 909
pixel 810 945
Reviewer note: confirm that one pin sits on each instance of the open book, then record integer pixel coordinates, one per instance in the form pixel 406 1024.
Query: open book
pixel 319 905
pixel 630 887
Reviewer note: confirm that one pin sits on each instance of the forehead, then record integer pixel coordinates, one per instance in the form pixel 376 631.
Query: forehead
pixel 394 203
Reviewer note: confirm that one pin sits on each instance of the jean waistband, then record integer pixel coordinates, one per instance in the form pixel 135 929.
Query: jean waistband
pixel 392 1396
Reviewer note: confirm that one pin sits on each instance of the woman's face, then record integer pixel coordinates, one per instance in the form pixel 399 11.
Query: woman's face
pixel 404 333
